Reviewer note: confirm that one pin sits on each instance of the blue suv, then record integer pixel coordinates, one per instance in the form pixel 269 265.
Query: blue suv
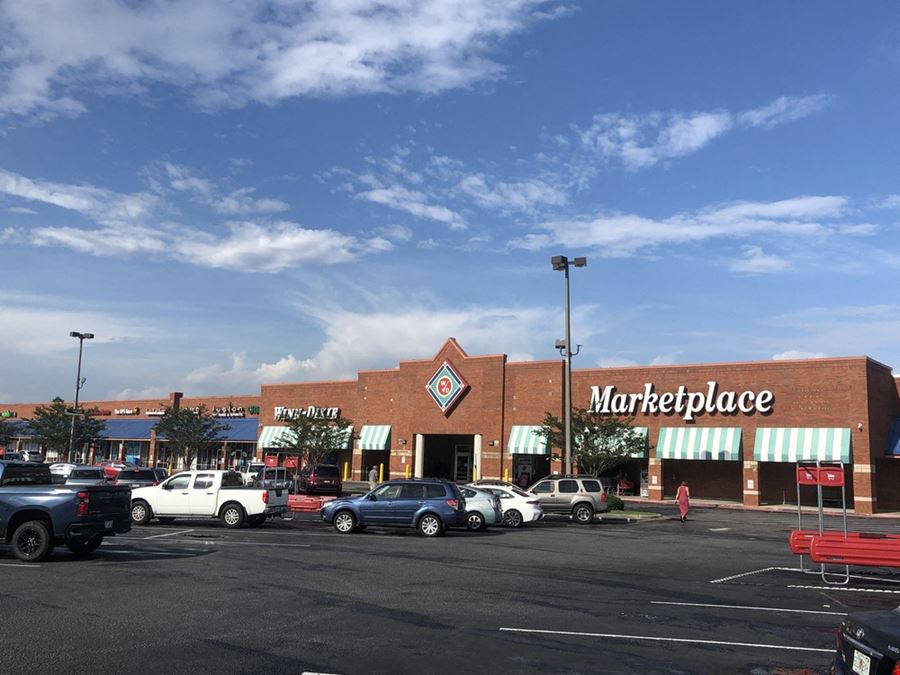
pixel 431 505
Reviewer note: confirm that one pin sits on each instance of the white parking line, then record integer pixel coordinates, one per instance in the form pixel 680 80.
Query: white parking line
pixel 747 607
pixel 25 565
pixel 846 590
pixel 747 574
pixel 165 553
pixel 651 638
pixel 167 534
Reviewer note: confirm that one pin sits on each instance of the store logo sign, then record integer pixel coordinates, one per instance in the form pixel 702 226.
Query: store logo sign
pixel 127 411
pixel 681 402
pixel 8 413
pixel 284 414
pixel 446 387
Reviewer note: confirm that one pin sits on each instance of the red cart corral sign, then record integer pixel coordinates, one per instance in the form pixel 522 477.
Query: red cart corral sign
pixel 807 475
pixel 271 460
pixel 290 462
pixel 831 477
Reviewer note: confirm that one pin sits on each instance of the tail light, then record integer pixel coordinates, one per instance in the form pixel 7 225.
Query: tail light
pixel 84 499
pixel 602 497
pixel 533 501
pixel 265 496
pixel 896 669
pixel 453 503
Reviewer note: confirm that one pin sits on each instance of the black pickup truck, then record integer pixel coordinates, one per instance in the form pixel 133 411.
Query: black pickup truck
pixel 35 514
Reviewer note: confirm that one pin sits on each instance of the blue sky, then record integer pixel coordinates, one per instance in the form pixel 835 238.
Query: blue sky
pixel 232 193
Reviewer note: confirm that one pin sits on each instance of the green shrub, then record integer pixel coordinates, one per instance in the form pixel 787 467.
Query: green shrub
pixel 615 504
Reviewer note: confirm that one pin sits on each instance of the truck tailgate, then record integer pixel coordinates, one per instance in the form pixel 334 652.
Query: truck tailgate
pixel 110 500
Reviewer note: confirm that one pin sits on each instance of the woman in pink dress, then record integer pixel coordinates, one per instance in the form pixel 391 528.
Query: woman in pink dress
pixel 683 497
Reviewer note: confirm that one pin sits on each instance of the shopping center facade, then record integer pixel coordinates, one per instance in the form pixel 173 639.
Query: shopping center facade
pixel 733 431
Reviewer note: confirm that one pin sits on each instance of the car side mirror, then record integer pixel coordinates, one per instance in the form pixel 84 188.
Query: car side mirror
pixel 166 487
pixel 372 498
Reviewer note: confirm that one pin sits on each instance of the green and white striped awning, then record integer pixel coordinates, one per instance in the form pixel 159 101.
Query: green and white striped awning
pixel 526 440
pixel 791 444
pixel 720 443
pixel 374 436
pixel 269 435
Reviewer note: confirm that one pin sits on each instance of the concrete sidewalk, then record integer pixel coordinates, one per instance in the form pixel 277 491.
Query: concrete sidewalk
pixel 775 508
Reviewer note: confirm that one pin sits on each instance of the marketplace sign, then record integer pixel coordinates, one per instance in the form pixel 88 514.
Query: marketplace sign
pixel 680 402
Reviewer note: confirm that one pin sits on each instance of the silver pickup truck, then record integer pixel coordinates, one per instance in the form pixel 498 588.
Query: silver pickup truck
pixel 35 514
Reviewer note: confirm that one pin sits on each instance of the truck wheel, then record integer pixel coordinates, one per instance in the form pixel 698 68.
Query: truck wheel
pixel 430 525
pixel 233 516
pixel 32 541
pixel 140 512
pixel 256 521
pixel 583 513
pixel 85 546
pixel 344 522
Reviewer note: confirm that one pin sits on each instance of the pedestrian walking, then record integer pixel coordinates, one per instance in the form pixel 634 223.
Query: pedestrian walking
pixel 373 477
pixel 683 497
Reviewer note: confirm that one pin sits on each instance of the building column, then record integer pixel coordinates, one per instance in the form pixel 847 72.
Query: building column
pixel 864 498
pixel 751 483
pixel 655 479
pixel 477 456
pixel 357 470
pixel 151 455
pixel 121 451
pixel 420 456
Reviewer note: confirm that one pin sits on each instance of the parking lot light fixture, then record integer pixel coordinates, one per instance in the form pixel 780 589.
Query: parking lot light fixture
pixel 78 384
pixel 561 263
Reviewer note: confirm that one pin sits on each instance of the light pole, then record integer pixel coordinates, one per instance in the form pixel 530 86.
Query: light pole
pixel 561 264
pixel 78 382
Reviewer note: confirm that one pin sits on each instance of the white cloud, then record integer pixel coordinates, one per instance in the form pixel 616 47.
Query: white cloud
pixel 413 202
pixel 506 197
pixel 641 141
pixel 241 376
pixel 890 202
pixel 624 235
pixel 225 54
pixel 181 178
pixel 240 202
pixel 22 209
pixel 396 232
pixel 755 261
pixel 792 354
pixel 784 109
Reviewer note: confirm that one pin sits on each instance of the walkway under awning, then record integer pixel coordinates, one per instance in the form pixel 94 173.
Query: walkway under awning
pixel 526 440
pixel 716 443
pixel 374 437
pixel 792 444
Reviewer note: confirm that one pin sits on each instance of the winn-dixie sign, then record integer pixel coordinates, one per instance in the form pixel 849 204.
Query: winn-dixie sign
pixel 284 414
pixel 680 402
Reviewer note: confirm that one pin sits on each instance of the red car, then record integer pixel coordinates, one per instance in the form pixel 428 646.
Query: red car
pixel 324 478
pixel 111 467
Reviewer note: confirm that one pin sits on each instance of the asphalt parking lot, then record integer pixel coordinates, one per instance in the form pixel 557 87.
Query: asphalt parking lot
pixel 716 595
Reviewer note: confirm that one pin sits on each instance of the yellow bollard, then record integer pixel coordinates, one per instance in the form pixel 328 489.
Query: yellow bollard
pixel 506 474
pixel 474 474
pixel 407 470
pixel 381 472
pixel 346 470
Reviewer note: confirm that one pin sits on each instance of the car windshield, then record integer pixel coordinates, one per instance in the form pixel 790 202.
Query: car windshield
pixel 93 474
pixel 519 492
pixel 327 471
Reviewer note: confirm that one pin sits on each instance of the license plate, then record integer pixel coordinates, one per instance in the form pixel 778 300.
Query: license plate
pixel 861 663
pixel 108 524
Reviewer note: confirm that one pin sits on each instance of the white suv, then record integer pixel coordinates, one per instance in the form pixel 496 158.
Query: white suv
pixel 578 496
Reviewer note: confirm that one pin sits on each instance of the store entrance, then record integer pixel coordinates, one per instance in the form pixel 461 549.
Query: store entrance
pixel 449 456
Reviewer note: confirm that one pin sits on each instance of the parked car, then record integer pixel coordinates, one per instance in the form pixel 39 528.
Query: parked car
pixel 35 514
pixel 207 494
pixel 482 508
pixel 60 471
pixel 32 456
pixel 137 477
pixel 86 475
pixel 578 496
pixel 250 471
pixel 868 643
pixel 430 505
pixel 517 505
pixel 321 479
pixel 274 477
pixel 111 467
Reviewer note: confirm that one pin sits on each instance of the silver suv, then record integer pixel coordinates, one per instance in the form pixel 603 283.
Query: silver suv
pixel 578 496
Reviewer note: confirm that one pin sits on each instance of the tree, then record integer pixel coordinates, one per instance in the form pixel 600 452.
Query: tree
pixel 7 433
pixel 189 431
pixel 313 438
pixel 598 442
pixel 51 426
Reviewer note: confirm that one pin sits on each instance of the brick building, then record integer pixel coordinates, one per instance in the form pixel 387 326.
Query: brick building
pixel 733 430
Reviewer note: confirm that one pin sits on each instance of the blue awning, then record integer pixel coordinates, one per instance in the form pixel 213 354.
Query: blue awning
pixel 893 443
pixel 128 430
pixel 241 430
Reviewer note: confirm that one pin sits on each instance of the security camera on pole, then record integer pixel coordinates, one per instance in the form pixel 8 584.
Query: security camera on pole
pixel 561 264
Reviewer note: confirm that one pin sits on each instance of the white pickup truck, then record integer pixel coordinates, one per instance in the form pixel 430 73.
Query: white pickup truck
pixel 211 494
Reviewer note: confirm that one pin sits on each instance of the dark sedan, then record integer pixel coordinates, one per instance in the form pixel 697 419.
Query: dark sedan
pixel 868 643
